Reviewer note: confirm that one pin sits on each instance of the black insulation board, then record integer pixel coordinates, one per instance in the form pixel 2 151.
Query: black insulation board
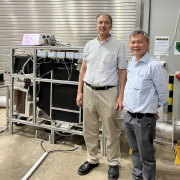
pixel 1 77
pixel 46 67
pixel 65 116
pixel 62 74
pixel 44 97
pixel 64 96
pixel 19 62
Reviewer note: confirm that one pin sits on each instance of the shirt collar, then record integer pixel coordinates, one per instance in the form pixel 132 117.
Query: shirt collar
pixel 106 39
pixel 143 59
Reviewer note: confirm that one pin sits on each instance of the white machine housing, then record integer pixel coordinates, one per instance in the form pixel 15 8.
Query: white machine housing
pixel 42 53
pixel 70 55
pixel 78 55
pixel 52 54
pixel 61 55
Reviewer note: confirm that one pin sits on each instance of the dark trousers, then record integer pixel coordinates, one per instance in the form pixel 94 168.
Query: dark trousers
pixel 140 134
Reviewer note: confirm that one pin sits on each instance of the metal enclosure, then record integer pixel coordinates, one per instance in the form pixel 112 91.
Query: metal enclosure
pixel 58 113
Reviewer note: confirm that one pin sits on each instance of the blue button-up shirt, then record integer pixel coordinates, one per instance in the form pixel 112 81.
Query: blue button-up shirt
pixel 146 86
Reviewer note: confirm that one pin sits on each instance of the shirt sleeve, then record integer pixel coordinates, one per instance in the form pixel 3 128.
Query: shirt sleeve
pixel 122 62
pixel 85 52
pixel 160 83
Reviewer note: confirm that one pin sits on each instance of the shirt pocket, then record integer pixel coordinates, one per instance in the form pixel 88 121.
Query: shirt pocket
pixel 141 83
pixel 110 58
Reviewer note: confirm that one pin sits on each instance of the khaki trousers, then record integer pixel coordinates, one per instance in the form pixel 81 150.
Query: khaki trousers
pixel 101 103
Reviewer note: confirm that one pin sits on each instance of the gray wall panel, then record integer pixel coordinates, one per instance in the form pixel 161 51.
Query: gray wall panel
pixel 71 21
pixel 163 18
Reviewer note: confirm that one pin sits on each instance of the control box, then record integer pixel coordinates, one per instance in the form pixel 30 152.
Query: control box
pixel 78 55
pixel 70 55
pixel 61 55
pixel 52 54
pixel 42 53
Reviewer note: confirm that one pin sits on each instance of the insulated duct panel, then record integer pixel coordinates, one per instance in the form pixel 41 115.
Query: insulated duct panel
pixel 44 97
pixel 65 116
pixel 64 73
pixel 64 96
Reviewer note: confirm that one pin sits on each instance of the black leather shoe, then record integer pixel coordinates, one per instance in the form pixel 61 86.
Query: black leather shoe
pixel 113 173
pixel 86 168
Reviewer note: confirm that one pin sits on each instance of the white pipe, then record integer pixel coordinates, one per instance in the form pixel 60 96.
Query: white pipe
pixel 168 128
pixel 2 101
pixel 164 127
pixel 31 171
pixel 177 127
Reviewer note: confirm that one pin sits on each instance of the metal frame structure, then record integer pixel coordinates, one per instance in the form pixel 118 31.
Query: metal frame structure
pixel 34 122
pixel 7 103
pixel 139 14
pixel 34 79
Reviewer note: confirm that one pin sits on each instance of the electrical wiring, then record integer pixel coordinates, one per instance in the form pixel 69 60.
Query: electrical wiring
pixel 38 91
pixel 39 65
pixel 30 58
pixel 63 134
pixel 41 62
pixel 42 146
pixel 3 131
pixel 21 53
pixel 173 36
pixel 60 61
pixel 64 150
pixel 71 70
pixel 58 150
pixel 161 143
pixel 46 73
pixel 66 68
pixel 39 59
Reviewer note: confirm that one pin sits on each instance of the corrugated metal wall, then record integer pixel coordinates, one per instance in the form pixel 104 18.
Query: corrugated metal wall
pixel 70 21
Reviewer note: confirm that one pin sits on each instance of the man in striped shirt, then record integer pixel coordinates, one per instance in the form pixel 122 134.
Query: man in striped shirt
pixel 104 65
pixel 146 89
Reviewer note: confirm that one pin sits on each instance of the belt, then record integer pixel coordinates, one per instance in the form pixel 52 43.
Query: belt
pixel 99 88
pixel 140 115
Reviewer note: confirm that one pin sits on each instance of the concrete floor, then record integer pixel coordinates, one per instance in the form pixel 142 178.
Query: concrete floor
pixel 20 151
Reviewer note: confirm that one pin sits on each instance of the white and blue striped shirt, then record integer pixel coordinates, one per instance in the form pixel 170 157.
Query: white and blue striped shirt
pixel 146 86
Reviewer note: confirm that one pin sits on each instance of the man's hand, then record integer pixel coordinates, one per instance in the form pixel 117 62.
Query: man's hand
pixel 119 104
pixel 157 114
pixel 79 99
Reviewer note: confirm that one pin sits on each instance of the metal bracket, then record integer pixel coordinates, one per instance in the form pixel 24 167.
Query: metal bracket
pixel 38 139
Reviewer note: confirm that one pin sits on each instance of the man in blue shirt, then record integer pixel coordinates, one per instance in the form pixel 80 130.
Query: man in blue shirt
pixel 146 89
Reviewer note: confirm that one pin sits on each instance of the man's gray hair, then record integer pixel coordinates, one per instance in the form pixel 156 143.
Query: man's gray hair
pixel 134 33
pixel 104 14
